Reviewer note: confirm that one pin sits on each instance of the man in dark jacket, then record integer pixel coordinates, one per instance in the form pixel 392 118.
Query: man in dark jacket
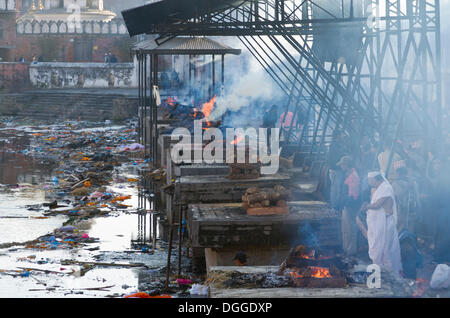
pixel 269 121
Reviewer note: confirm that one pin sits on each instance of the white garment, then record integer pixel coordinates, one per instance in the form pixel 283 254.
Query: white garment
pixel 382 235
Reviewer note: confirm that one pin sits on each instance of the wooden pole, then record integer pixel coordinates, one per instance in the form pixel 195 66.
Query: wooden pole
pixel 154 231
pixel 180 230
pixel 223 69
pixel 168 256
pixel 213 74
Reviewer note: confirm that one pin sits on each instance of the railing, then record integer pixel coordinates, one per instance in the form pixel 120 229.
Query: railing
pixel 113 27
pixel 82 75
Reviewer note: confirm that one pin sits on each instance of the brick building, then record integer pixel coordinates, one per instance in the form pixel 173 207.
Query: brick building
pixel 61 31
pixel 7 29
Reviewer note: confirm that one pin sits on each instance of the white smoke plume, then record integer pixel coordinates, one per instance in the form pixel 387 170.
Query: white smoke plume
pixel 244 86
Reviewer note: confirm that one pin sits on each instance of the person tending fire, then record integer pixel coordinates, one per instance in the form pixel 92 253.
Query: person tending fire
pixel 382 235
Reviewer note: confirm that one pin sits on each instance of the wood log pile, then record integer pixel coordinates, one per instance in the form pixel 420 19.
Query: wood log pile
pixel 263 201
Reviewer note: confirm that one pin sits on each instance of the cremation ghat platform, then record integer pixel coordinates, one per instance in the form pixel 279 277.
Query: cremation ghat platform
pixel 227 224
pixel 218 188
pixel 392 286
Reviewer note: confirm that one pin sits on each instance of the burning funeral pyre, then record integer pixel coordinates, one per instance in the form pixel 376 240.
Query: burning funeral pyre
pixel 243 163
pixel 184 115
pixel 303 267
pixel 312 269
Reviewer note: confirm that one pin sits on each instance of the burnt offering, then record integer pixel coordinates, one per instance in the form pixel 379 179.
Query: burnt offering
pixel 309 269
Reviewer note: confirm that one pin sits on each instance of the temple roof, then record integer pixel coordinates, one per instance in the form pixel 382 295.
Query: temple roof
pixel 185 46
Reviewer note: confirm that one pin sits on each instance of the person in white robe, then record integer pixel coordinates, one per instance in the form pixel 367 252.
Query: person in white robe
pixel 382 235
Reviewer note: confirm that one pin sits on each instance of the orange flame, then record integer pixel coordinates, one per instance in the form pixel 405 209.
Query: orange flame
pixel 320 272
pixel 310 255
pixel 421 285
pixel 295 275
pixel 317 272
pixel 236 140
pixel 208 124
pixel 208 107
pixel 171 101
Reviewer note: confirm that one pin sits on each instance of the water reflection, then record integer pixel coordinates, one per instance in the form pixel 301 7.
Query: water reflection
pixel 146 207
pixel 21 184
pixel 15 166
pixel 18 174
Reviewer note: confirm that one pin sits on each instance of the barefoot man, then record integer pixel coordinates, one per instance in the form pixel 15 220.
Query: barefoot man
pixel 384 245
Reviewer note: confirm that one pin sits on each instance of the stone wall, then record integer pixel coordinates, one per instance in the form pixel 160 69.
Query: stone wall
pixel 7 30
pixel 14 76
pixel 82 75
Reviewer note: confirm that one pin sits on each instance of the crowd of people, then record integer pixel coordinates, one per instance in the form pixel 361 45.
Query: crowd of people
pixel 390 194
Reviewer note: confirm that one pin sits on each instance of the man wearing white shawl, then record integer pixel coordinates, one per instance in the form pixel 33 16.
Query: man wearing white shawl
pixel 382 235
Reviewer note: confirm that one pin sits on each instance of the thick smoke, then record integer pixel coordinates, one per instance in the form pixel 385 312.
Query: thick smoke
pixel 246 82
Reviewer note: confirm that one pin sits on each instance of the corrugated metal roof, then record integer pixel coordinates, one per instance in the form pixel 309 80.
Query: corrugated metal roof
pixel 185 46
pixel 142 19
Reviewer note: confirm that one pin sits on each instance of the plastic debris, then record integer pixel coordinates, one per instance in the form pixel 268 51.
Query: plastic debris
pixel 25 274
pixel 138 295
pixel 182 281
pixel 441 277
pixel 132 147
pixel 198 289
pixel 68 228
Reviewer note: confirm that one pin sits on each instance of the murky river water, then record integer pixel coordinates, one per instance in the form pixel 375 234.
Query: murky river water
pixel 22 182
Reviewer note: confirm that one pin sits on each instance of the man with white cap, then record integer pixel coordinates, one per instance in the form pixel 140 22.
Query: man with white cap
pixel 382 235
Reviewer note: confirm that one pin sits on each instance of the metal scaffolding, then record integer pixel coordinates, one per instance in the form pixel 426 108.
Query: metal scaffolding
pixel 361 67
pixel 391 87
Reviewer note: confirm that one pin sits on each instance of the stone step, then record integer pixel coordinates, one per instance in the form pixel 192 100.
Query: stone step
pixel 52 105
